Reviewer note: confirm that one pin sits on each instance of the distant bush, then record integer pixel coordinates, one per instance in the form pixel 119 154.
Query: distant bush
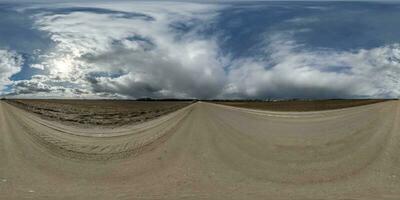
pixel 167 99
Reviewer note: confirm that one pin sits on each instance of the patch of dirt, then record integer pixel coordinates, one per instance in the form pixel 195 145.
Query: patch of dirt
pixel 300 105
pixel 88 113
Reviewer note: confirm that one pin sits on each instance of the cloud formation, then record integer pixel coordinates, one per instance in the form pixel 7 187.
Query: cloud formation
pixel 141 55
pixel 10 63
pixel 163 50
pixel 292 72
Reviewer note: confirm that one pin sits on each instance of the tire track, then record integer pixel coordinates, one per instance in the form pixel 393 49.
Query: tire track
pixel 98 148
pixel 207 151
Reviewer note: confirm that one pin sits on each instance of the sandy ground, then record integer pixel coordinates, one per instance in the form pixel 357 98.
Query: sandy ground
pixel 206 151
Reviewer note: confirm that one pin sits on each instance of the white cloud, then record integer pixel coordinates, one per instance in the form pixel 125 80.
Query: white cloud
pixel 10 63
pixel 292 72
pixel 302 20
pixel 152 57
pixel 109 54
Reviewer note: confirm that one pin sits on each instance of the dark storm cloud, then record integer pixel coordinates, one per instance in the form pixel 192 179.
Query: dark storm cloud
pixel 151 75
pixel 33 86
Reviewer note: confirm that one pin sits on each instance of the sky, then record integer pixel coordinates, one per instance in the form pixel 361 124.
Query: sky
pixel 229 50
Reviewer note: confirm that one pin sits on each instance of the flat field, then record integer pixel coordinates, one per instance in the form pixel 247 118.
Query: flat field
pixel 87 113
pixel 205 151
pixel 300 105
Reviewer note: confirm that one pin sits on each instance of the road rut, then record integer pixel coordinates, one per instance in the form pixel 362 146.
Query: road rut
pixel 206 151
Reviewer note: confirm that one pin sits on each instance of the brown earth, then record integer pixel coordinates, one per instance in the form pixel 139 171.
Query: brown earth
pixel 206 151
pixel 300 105
pixel 89 113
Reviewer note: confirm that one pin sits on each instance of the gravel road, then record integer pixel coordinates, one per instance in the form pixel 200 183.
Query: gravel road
pixel 206 151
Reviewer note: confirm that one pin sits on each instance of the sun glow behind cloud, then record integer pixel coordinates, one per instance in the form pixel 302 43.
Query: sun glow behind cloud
pixel 166 49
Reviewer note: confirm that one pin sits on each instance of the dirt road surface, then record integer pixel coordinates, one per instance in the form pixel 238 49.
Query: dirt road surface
pixel 206 151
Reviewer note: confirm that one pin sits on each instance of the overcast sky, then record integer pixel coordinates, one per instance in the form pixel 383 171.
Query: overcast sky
pixel 100 49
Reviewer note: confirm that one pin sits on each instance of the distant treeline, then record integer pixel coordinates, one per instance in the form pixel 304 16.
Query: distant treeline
pixel 212 100
pixel 286 100
pixel 168 99
pixel 254 100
